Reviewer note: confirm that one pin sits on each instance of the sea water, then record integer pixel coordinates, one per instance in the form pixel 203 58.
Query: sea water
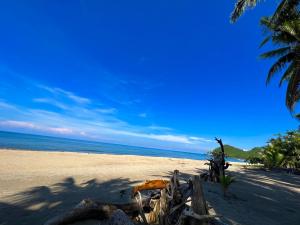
pixel 11 140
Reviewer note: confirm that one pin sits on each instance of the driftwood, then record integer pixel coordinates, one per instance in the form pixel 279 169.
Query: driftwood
pixel 89 209
pixel 222 163
pixel 150 185
pixel 120 218
pixel 198 201
pixel 217 165
pixel 167 205
pixel 163 212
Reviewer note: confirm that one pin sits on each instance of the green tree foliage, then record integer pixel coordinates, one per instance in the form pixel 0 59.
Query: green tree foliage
pixel 287 36
pixel 281 12
pixel 283 30
pixel 281 152
pixel 255 159
pixel 234 152
pixel 272 158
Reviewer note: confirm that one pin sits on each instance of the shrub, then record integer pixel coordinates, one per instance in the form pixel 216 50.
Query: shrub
pixel 225 182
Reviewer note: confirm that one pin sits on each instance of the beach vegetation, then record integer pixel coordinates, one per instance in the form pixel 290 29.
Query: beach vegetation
pixel 280 152
pixel 234 152
pixel 225 182
pixel 254 160
pixel 283 152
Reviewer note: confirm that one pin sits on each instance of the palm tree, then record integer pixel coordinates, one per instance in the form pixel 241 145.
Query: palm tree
pixel 283 29
pixel 272 157
pixel 282 9
pixel 287 36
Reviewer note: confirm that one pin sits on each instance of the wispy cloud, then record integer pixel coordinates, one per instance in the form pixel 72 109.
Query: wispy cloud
pixel 159 128
pixel 17 124
pixel 81 117
pixel 68 94
pixel 98 131
pixel 32 126
pixel 106 110
pixel 51 102
pixel 143 115
pixel 5 105
pixel 200 139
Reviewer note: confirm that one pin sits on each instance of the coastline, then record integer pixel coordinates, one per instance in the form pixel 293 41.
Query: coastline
pixel 17 141
pixel 239 162
pixel 104 154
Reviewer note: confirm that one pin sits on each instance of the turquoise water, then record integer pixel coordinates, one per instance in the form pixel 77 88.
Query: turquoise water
pixel 12 140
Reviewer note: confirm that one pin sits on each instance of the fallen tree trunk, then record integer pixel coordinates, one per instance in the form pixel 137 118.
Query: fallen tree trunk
pixel 89 209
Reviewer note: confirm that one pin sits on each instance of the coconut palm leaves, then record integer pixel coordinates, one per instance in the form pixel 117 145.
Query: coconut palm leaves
pixel 283 30
pixel 287 35
pixel 283 151
pixel 272 157
pixel 240 8
pixel 282 11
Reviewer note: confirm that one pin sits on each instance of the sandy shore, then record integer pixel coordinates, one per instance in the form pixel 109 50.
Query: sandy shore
pixel 35 186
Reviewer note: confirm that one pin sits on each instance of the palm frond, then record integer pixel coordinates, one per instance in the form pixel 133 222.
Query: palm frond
pixel 287 9
pixel 293 92
pixel 279 64
pixel 266 22
pixel 297 116
pixel 265 41
pixel 225 181
pixel 287 74
pixel 291 27
pixel 240 7
pixel 276 53
pixel 283 38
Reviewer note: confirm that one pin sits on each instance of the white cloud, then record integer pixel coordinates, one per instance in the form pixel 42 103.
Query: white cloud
pixel 61 130
pixel 143 115
pixel 75 98
pixel 106 110
pixel 32 126
pixel 161 137
pixel 83 118
pixel 68 94
pixel 51 102
pixel 160 128
pixel 17 124
pixel 4 104
pixel 171 138
pixel 200 139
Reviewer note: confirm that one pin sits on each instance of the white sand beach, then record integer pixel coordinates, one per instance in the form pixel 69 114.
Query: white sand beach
pixel 35 186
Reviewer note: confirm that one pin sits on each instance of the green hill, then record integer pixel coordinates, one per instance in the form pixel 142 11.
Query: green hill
pixel 234 152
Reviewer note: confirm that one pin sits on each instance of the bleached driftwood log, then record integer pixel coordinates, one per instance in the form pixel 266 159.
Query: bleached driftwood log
pixel 119 218
pixel 198 202
pixel 89 209
pixel 166 206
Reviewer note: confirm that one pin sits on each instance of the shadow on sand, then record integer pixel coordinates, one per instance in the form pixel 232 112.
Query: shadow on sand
pixel 37 205
pixel 256 197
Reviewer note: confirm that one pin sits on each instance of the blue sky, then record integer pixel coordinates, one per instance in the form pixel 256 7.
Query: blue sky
pixel 162 74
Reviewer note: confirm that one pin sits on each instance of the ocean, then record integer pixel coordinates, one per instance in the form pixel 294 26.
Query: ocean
pixel 11 140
